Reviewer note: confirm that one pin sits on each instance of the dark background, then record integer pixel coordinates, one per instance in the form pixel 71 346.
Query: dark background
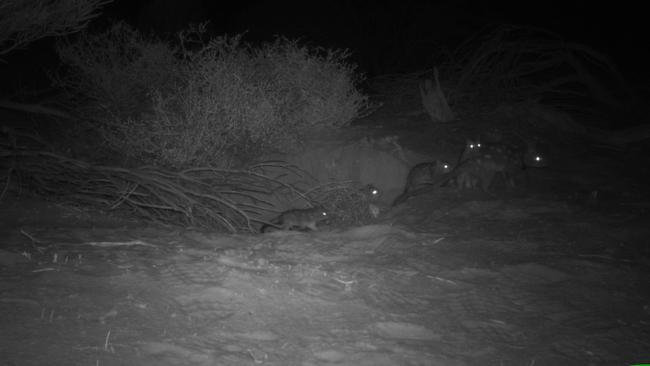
pixel 403 36
pixel 384 37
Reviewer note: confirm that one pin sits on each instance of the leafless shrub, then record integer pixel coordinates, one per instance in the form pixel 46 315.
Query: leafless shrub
pixel 347 203
pixel 25 21
pixel 219 102
pixel 515 63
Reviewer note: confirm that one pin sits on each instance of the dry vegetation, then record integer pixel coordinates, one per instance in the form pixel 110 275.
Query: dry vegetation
pixel 205 197
pixel 521 79
pixel 218 199
pixel 184 122
pixel 25 21
pixel 348 203
pixel 218 102
pixel 190 117
pixel 515 63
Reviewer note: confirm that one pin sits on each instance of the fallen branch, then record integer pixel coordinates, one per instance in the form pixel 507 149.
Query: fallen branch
pixel 25 21
pixel 434 100
pixel 35 108
pixel 231 200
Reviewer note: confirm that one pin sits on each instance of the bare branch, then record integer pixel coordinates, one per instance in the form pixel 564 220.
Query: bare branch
pixel 25 21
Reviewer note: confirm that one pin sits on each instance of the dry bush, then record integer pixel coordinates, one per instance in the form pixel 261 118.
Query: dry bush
pixel 515 63
pixel 113 73
pixel 347 203
pixel 219 102
pixel 109 79
pixel 318 83
pixel 206 197
pixel 25 21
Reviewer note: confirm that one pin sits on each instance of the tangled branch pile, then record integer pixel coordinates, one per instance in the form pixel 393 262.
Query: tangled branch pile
pixel 25 21
pixel 515 63
pixel 347 203
pixel 218 199
pixel 220 102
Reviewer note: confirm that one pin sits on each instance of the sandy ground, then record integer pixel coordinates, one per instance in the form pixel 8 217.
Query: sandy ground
pixel 555 273
pixel 448 278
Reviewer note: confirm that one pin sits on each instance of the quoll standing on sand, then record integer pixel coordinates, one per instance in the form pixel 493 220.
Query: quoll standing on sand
pixel 301 219
pixel 422 175
pixel 425 174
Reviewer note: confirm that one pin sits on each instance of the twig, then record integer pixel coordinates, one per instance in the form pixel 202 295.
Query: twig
pixel 106 341
pixel 202 196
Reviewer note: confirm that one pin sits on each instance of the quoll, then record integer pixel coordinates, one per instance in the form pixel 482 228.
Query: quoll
pixel 370 193
pixel 423 175
pixel 472 149
pixel 301 219
pixel 481 165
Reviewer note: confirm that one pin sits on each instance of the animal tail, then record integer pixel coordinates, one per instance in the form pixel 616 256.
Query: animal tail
pixel 401 198
pixel 408 194
pixel 429 186
pixel 269 225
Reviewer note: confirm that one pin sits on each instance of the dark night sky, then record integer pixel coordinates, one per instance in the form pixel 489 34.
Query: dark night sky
pixel 384 37
pixel 365 27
